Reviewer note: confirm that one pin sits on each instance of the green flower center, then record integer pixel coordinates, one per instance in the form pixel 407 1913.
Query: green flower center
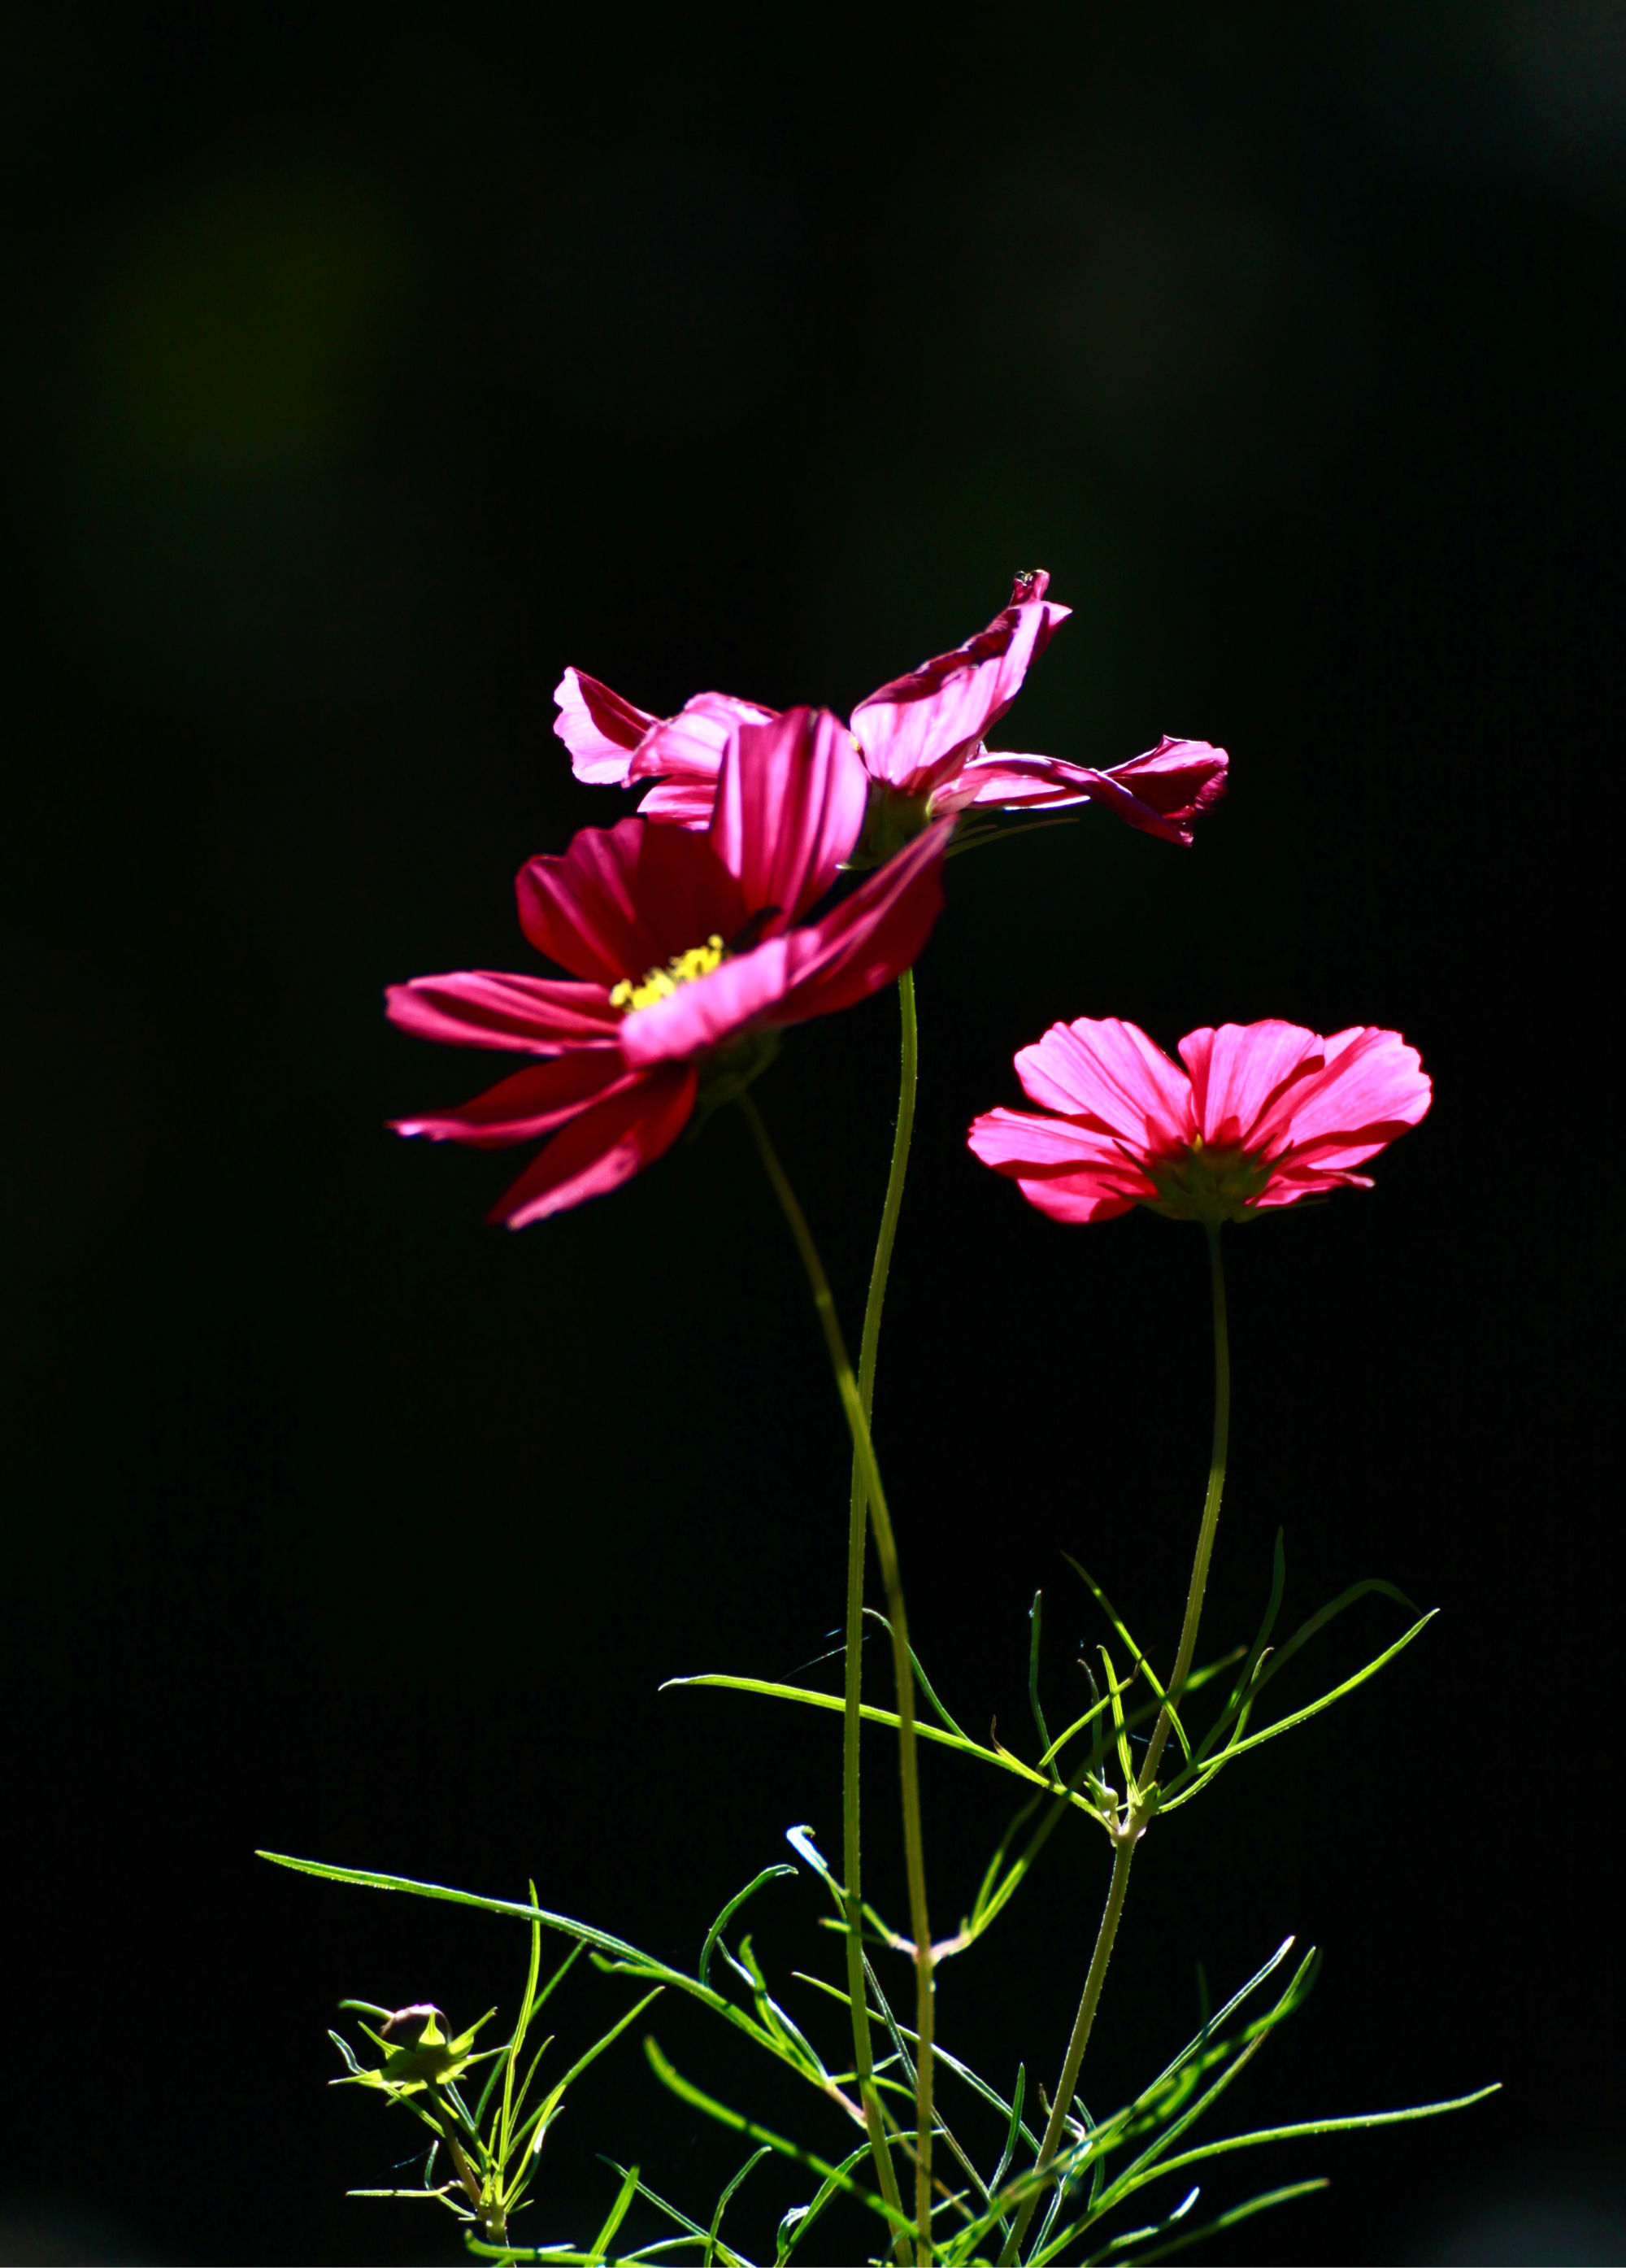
pixel 1198 1184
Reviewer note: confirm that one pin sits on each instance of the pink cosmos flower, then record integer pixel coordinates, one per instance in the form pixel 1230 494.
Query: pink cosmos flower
pixel 684 961
pixel 920 737
pixel 1262 1116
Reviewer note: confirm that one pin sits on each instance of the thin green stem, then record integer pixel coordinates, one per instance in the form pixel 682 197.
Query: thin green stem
pixel 1055 2131
pixel 858 1536
pixel 1210 1517
pixel 886 1548
pixel 1131 1826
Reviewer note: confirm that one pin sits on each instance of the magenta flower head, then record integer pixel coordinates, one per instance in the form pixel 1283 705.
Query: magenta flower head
pixel 1260 1115
pixel 686 964
pixel 919 739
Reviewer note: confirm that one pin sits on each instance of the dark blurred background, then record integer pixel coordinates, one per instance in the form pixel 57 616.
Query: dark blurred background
pixel 367 366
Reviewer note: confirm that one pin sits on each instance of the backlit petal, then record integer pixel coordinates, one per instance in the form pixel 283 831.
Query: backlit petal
pixel 623 900
pixel 532 1101
pixel 1111 1074
pixel 689 745
pixel 482 1008
pixel 599 727
pixel 790 804
pixel 911 729
pixel 862 943
pixel 1241 1072
pixel 603 1148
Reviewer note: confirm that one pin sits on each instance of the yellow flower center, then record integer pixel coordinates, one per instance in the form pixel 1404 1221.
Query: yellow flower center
pixel 661 984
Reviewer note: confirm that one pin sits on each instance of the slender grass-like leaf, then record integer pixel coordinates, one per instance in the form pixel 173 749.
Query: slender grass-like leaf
pixel 871 1716
pixel 1074 1729
pixel 801 1841
pixel 883 2016
pixel 1212 2024
pixel 614 2218
pixel 1034 1614
pixel 751 2163
pixel 1355 2124
pixel 686 2091
pixel 795 2227
pixel 613 1954
pixel 1250 1668
pixel 1011 2131
pixel 1145 2167
pixel 768 1875
pixel 1132 2236
pixel 1248 1688
pixel 1189 1785
pixel 1139 1658
pixel 710 2238
pixel 1260 2203
pixel 555 2094
pixel 920 1678
pixel 1120 1730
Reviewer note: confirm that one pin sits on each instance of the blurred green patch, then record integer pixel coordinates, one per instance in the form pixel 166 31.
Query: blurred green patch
pixel 244 333
pixel 237 352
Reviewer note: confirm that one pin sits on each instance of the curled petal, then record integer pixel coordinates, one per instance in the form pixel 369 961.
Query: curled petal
pixel 604 1147
pixel 624 899
pixel 790 804
pixel 1158 792
pixel 916 730
pixel 483 1008
pixel 532 1101
pixel 599 727
pixel 690 745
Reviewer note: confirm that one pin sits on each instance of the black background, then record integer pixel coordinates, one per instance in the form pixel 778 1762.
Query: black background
pixel 368 367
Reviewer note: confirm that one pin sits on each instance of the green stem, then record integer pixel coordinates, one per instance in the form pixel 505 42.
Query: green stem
pixel 857 1535
pixel 886 1549
pixel 1210 1516
pixel 1131 1825
pixel 1054 2132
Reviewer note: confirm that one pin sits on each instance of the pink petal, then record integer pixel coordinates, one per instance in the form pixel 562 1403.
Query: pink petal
pixel 680 803
pixel 1156 792
pixel 1370 1089
pixel 479 1008
pixel 914 730
pixel 606 1146
pixel 1240 1070
pixel 790 804
pixel 1287 1188
pixel 689 745
pixel 864 943
pixel 1111 1075
pixel 1078 1198
pixel 532 1101
pixel 625 899
pixel 599 729
pixel 1178 778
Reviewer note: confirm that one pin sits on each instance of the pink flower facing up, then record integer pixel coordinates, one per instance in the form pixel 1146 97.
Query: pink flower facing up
pixel 920 737
pixel 1262 1116
pixel 684 963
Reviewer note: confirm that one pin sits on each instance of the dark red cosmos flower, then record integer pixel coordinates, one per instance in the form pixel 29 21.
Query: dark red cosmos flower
pixel 1262 1116
pixel 921 739
pixel 685 960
